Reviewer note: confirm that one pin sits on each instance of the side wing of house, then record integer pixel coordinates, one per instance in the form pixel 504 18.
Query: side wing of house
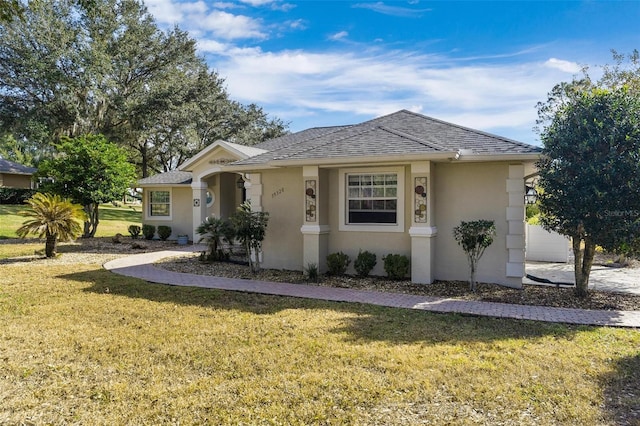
pixel 14 175
pixel 183 198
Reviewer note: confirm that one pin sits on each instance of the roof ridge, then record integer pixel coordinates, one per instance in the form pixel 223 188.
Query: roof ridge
pixel 414 138
pixel 469 129
pixel 296 142
pixel 368 129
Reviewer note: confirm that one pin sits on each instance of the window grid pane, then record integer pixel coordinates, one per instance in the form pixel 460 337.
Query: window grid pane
pixel 159 203
pixel 372 198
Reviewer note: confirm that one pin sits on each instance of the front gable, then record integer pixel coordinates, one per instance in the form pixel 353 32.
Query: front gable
pixel 217 155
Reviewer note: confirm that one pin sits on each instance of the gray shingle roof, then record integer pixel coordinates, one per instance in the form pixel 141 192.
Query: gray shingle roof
pixel 403 132
pixel 174 177
pixel 7 166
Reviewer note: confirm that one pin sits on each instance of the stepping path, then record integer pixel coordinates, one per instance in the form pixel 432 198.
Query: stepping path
pixel 141 266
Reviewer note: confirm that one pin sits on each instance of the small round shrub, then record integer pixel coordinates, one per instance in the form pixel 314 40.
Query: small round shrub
pixel 134 231
pixel 148 231
pixel 164 232
pixel 364 263
pixel 396 266
pixel 337 263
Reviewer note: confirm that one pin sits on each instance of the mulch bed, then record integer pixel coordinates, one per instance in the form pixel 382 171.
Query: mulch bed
pixel 538 295
pixel 100 250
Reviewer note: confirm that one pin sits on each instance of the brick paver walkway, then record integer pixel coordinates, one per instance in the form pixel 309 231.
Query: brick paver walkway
pixel 141 266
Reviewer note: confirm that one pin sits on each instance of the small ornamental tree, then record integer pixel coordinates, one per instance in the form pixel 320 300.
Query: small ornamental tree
pixel 52 217
pixel 250 229
pixel 474 237
pixel 89 170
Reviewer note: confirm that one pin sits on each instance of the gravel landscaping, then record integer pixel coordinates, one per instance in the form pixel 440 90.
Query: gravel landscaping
pixel 530 295
pixel 101 250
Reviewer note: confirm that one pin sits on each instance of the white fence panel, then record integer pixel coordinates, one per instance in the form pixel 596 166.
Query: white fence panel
pixel 545 246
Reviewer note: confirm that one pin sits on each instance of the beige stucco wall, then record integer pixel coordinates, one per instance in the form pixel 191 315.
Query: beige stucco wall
pixel 181 210
pixel 380 243
pixel 282 198
pixel 468 191
pixel 15 181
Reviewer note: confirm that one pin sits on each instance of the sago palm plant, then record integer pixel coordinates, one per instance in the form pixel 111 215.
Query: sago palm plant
pixel 54 218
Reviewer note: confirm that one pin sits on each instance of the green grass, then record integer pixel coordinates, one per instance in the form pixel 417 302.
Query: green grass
pixel 81 345
pixel 113 220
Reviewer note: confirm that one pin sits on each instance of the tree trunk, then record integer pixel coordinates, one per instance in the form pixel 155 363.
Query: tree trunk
pixel 472 279
pixel 583 260
pixel 91 225
pixel 50 245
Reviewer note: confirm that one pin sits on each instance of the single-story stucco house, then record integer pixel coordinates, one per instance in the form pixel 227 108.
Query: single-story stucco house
pixel 395 184
pixel 14 175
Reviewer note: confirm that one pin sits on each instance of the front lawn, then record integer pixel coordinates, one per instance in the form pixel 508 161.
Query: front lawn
pixel 113 220
pixel 81 345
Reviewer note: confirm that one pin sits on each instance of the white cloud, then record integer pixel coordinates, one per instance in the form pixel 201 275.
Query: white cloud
pixel 298 24
pixel 338 36
pixel 165 11
pixel 225 5
pixel 300 84
pixel 562 65
pixel 228 26
pixel 380 7
pixel 257 2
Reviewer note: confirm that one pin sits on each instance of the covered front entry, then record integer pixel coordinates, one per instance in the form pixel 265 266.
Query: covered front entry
pixel 219 195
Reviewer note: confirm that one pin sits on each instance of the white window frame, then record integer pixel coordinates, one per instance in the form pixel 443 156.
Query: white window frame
pixel 147 208
pixel 344 225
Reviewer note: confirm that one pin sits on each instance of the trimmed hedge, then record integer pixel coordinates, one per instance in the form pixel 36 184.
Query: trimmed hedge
pixel 15 195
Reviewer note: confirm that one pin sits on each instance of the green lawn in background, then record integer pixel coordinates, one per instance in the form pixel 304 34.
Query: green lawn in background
pixel 113 219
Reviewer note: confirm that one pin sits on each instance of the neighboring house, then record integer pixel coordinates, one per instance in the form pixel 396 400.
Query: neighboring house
pixel 14 175
pixel 395 184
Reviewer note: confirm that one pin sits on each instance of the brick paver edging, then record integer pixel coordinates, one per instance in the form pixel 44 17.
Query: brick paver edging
pixel 141 266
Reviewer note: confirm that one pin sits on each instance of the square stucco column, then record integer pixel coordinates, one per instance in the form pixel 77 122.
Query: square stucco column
pixel 315 230
pixel 253 185
pixel 515 267
pixel 422 231
pixel 199 202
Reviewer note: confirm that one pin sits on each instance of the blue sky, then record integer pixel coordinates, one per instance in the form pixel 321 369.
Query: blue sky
pixel 480 64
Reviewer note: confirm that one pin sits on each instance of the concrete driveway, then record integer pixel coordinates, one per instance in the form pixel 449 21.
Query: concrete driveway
pixel 623 280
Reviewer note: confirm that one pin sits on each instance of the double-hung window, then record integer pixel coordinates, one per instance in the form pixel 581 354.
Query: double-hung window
pixel 160 204
pixel 372 200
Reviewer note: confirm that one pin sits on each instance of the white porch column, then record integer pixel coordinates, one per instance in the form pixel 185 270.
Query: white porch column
pixel 315 230
pixel 515 266
pixel 423 230
pixel 199 203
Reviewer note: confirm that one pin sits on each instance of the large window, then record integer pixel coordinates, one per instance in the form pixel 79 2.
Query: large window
pixel 372 198
pixel 159 203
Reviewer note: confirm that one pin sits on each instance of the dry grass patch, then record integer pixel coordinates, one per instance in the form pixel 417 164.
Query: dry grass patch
pixel 82 345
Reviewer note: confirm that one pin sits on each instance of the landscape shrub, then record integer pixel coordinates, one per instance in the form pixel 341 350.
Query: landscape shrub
pixel 215 232
pixel 396 266
pixel 15 195
pixel 148 231
pixel 134 231
pixel 311 271
pixel 164 232
pixel 364 263
pixel 337 263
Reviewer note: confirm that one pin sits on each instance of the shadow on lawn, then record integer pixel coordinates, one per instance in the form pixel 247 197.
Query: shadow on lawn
pixel 370 323
pixel 621 391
